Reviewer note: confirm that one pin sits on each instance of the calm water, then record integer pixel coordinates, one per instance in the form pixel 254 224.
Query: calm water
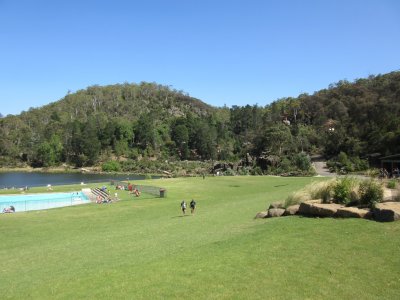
pixel 22 179
pixel 42 201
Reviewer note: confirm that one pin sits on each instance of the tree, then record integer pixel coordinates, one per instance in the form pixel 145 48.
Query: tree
pixel 145 131
pixel 276 140
pixel 180 135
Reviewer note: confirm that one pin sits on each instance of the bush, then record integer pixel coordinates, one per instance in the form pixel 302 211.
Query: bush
pixel 111 166
pixel 371 192
pixel 322 190
pixel 256 171
pixel 391 184
pixel 344 190
pixel 316 190
pixel 302 161
pixel 229 172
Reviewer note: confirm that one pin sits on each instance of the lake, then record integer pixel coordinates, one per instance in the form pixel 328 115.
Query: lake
pixel 22 179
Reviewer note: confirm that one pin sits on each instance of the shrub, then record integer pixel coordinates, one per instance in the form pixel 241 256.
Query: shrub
pixel 371 192
pixel 391 184
pixel 111 166
pixel 229 172
pixel 297 197
pixel 321 190
pixel 302 161
pixel 256 171
pixel 344 190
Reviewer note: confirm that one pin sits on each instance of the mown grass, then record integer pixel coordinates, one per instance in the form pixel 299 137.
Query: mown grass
pixel 143 248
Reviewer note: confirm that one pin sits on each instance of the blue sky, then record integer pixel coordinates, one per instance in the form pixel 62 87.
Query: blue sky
pixel 222 52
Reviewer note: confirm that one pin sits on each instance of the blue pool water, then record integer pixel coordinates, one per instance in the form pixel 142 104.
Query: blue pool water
pixel 42 201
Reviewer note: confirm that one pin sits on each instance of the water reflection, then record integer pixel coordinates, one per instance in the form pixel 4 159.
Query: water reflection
pixel 23 179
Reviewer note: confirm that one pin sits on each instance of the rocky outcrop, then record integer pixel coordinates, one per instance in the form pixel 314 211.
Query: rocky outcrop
pixel 387 212
pixel 390 195
pixel 353 212
pixel 261 215
pixel 318 209
pixel 292 210
pixel 382 212
pixel 275 212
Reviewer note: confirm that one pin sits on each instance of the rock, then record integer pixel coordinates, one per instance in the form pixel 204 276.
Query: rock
pixel 314 201
pixel 275 212
pixel 276 205
pixel 305 209
pixel 353 212
pixel 292 210
pixel 387 212
pixel 325 210
pixel 390 195
pixel 318 209
pixel 261 215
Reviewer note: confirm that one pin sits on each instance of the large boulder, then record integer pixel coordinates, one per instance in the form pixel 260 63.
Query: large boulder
pixel 387 212
pixel 353 212
pixel 390 195
pixel 292 210
pixel 313 201
pixel 326 210
pixel 305 209
pixel 261 215
pixel 318 209
pixel 275 212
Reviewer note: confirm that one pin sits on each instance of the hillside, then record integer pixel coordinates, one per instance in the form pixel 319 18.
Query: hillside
pixel 112 111
pixel 138 127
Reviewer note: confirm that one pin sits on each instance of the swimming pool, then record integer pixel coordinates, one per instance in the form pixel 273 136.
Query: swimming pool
pixel 42 201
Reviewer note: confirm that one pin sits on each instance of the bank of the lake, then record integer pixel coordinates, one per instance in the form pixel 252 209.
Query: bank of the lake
pixel 34 179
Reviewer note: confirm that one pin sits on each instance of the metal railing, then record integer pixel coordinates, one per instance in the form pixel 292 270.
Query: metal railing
pixel 39 204
pixel 148 189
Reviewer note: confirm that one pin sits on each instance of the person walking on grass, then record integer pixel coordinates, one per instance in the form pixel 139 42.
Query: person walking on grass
pixel 183 207
pixel 192 206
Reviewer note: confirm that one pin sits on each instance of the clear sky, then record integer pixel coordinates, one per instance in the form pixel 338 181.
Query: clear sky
pixel 220 51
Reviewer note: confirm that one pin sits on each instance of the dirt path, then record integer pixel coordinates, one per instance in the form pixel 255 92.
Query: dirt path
pixel 322 170
pixel 320 167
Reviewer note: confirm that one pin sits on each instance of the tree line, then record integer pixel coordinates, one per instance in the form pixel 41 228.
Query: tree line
pixel 147 121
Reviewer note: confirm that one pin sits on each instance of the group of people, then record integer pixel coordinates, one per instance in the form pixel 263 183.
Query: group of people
pixel 10 209
pixel 192 206
pixel 383 173
pixel 133 190
pixel 100 200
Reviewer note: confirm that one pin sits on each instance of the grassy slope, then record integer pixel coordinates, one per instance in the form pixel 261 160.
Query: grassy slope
pixel 143 248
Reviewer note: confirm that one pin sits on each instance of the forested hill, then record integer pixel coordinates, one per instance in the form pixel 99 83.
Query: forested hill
pixel 132 123
pixel 111 118
pixel 127 101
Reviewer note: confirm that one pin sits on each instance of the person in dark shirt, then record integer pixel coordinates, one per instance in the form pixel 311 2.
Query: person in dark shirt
pixel 192 206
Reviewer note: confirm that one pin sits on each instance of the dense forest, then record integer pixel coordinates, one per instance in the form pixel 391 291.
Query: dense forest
pixel 151 127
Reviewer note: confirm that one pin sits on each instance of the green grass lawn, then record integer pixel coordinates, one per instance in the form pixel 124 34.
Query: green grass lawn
pixel 143 248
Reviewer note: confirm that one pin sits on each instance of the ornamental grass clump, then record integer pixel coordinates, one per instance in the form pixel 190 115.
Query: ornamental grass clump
pixel 321 190
pixel 391 184
pixel 316 190
pixel 371 192
pixel 345 191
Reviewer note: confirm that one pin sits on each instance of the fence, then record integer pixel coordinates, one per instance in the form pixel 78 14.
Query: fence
pixel 41 201
pixel 148 189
